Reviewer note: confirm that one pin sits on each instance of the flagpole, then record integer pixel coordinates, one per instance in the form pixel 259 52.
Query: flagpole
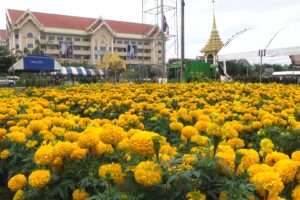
pixel 163 41
pixel 182 40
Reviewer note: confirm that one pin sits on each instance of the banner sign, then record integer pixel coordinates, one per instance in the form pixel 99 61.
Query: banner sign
pixel 65 49
pixel 35 63
pixel 131 52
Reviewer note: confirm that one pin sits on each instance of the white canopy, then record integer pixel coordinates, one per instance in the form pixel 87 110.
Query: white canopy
pixel 279 42
pixel 35 63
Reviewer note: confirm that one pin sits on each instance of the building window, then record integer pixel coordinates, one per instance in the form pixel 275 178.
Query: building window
pixel 29 46
pixel 77 39
pixel 86 57
pixel 29 35
pixel 43 37
pixel 86 48
pixel 52 46
pixel 102 49
pixel 140 43
pixel 17 46
pixel 77 48
pixel 77 57
pixel 140 50
pixel 146 43
pixel 50 38
pixel 69 38
pixel 126 42
pixel 86 39
pixel 109 49
pixel 60 38
pixel 133 42
pixel 119 42
pixel 96 56
pixel 96 48
pixel 17 36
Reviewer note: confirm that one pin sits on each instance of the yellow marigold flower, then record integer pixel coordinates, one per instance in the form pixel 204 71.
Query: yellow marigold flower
pixel 80 195
pixel 112 134
pixel 187 118
pixel 274 157
pixel 189 159
pixel 17 137
pixel 189 131
pixel 296 193
pixel 257 168
pixel 236 143
pixel 113 171
pixel 227 157
pixel 287 169
pixel 16 182
pixel 39 178
pixel 37 126
pixel 201 125
pixel 142 143
pixel 2 133
pixel 296 156
pixel 63 149
pixel 19 195
pixel 78 153
pixel 200 140
pixel 124 144
pixel 228 131
pixel 102 148
pixel 266 146
pixel 31 143
pixel 88 140
pixel 44 155
pixel 168 150
pixel 147 173
pixel 72 136
pixel 176 126
pixel 267 122
pixel 195 195
pixel 269 181
pixel 62 107
pixel 250 157
pixel 57 164
pixel 4 154
pixel 214 129
pixel 223 196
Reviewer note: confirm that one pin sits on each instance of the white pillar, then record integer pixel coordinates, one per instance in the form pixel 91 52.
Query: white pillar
pixel 225 67
pixel 93 50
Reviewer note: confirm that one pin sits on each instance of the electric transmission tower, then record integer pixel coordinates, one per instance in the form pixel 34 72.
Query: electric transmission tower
pixel 162 14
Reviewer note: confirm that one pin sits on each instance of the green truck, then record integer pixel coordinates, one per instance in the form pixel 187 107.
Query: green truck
pixel 194 71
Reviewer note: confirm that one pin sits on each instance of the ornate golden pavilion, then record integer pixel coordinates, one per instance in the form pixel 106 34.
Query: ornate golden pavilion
pixel 214 43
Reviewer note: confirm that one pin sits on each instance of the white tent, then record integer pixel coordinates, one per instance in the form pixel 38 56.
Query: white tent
pixel 35 63
pixel 279 42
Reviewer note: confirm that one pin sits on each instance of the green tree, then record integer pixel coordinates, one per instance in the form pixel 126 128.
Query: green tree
pixel 7 59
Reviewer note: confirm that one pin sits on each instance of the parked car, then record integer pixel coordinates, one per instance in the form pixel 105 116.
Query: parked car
pixel 6 82
pixel 13 78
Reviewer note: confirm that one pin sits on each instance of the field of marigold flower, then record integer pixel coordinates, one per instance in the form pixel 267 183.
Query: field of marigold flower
pixel 149 141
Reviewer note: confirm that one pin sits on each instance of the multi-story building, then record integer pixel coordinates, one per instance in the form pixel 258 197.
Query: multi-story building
pixel 83 39
pixel 3 38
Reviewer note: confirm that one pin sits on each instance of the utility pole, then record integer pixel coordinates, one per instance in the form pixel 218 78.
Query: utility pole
pixel 182 40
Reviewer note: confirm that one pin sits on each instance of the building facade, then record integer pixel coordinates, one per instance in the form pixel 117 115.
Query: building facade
pixel 3 38
pixel 72 38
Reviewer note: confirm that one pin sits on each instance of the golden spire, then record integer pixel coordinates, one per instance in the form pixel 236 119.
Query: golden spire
pixel 214 43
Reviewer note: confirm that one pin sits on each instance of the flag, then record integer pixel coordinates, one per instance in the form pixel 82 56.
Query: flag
pixel 165 26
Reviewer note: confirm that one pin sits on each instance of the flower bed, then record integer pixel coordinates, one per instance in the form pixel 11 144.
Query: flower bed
pixel 150 141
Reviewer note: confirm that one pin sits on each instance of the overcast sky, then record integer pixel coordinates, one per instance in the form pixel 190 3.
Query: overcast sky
pixel 232 15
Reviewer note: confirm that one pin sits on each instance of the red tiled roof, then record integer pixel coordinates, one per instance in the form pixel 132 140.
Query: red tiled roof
pixel 3 35
pixel 81 23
